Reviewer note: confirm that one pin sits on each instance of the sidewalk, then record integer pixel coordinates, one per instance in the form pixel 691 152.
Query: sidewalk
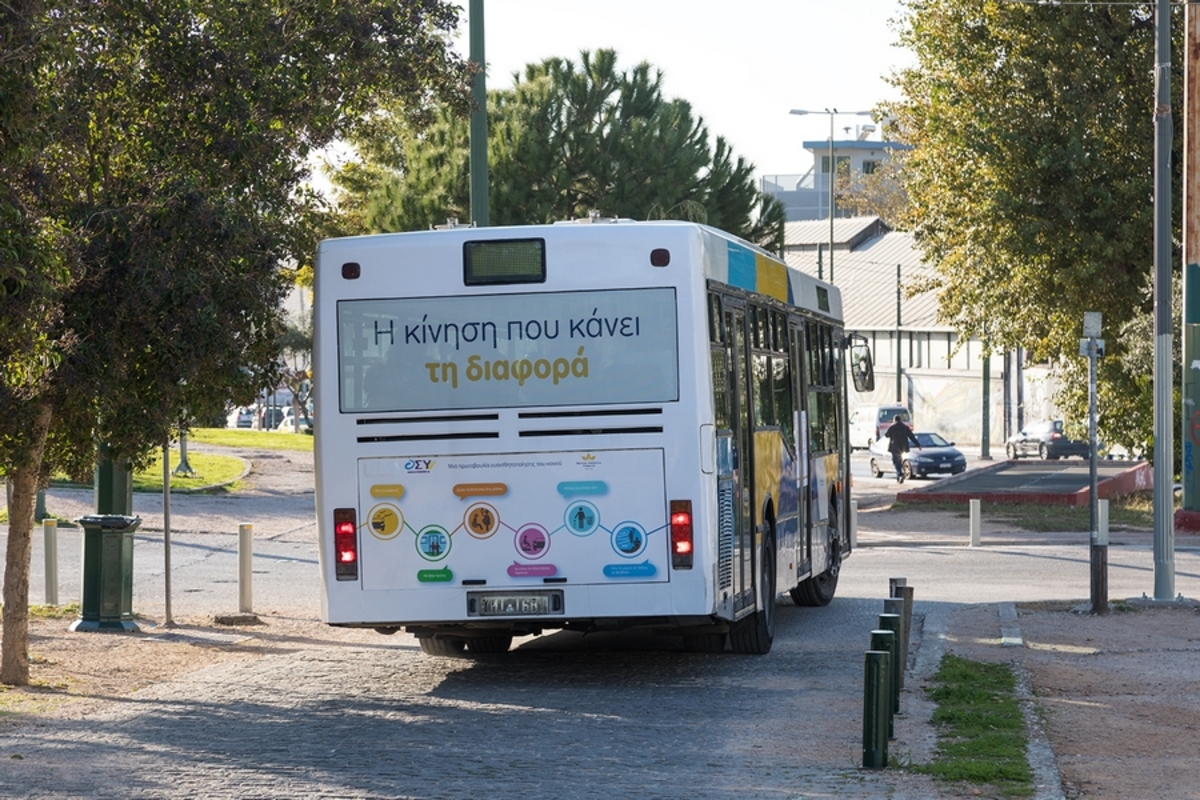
pixel 278 502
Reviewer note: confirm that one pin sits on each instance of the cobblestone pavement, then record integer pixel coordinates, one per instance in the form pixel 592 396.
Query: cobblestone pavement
pixel 559 717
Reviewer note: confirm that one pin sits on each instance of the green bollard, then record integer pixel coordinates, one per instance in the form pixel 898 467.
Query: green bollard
pixel 884 641
pixel 875 680
pixel 895 605
pixel 113 485
pixel 891 622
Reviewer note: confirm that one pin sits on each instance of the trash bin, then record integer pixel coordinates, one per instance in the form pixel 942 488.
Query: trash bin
pixel 107 594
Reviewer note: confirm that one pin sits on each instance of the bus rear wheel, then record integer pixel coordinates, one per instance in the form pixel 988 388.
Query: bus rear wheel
pixel 819 589
pixel 489 645
pixel 449 648
pixel 754 635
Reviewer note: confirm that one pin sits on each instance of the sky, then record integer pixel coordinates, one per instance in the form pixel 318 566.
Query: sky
pixel 742 72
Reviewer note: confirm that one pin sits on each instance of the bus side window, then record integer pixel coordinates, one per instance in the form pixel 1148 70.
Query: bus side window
pixel 784 404
pixel 720 376
pixel 764 414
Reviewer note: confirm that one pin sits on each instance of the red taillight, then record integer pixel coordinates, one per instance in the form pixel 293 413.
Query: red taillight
pixel 345 544
pixel 1056 435
pixel 681 534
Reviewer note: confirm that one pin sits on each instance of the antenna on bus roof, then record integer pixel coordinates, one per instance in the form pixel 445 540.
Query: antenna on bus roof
pixel 594 216
pixel 451 224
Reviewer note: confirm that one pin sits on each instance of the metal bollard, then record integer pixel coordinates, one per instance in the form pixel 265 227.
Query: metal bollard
pixel 905 593
pixel 884 640
pixel 50 551
pixel 875 725
pixel 245 570
pixel 891 622
pixel 1102 522
pixel 895 605
pixel 974 506
pixel 853 524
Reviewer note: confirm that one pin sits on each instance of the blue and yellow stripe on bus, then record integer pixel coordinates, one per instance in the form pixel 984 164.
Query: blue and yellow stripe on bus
pixel 756 272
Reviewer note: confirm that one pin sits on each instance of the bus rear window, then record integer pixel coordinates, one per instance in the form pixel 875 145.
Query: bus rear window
pixel 508 350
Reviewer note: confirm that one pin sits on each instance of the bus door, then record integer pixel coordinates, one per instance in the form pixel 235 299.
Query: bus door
pixel 743 456
pixel 797 354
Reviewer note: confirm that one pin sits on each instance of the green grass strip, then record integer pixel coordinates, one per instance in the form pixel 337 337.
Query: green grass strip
pixel 1133 511
pixel 208 469
pixel 981 731
pixel 247 437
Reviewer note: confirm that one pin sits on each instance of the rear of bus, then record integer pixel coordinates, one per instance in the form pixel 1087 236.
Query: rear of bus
pixel 508 432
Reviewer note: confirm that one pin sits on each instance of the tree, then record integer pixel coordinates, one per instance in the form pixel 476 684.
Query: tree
pixel 880 193
pixel 157 160
pixel 564 140
pixel 1031 174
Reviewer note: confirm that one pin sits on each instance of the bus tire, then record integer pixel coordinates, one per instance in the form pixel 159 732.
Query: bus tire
pixel 754 635
pixel 819 589
pixel 704 642
pixel 489 645
pixel 449 648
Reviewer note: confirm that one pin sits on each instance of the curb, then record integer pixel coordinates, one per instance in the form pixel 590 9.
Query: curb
pixel 1038 753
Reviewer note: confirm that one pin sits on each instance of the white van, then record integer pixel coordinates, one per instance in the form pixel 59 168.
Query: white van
pixel 868 423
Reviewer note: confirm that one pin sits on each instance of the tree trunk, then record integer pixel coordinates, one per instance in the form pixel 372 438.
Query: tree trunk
pixel 14 644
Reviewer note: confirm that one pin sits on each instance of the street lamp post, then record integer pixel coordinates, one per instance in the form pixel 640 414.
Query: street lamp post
pixel 832 112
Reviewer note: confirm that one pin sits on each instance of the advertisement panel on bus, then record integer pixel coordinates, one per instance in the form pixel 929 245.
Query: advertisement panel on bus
pixel 513 520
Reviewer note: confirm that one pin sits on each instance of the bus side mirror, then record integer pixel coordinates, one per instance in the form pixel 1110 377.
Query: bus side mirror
pixel 862 370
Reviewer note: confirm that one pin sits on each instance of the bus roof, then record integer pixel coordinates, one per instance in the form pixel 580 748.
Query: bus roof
pixel 726 259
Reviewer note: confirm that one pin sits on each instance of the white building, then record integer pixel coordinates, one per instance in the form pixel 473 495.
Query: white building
pixel 807 196
pixel 919 361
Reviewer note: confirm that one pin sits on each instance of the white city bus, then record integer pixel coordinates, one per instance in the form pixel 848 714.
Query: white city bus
pixel 577 426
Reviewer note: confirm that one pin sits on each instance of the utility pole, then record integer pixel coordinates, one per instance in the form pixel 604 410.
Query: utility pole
pixel 1092 347
pixel 1189 516
pixel 985 434
pixel 479 131
pixel 899 351
pixel 832 188
pixel 1164 433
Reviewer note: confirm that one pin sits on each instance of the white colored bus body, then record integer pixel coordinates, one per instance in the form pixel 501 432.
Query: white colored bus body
pixel 514 462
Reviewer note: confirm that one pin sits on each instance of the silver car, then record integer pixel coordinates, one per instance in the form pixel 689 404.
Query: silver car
pixel 936 457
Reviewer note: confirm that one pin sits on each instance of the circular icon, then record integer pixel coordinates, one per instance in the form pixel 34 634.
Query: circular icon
pixel 433 543
pixel 581 518
pixel 386 520
pixel 481 520
pixel 532 541
pixel 629 539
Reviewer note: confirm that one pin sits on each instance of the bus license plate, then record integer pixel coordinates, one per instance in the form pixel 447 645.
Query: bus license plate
pixel 514 604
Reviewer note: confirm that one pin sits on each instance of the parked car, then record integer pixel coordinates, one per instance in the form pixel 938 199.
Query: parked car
pixel 269 417
pixel 288 423
pixel 1046 440
pixel 241 418
pixel 936 457
pixel 868 423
